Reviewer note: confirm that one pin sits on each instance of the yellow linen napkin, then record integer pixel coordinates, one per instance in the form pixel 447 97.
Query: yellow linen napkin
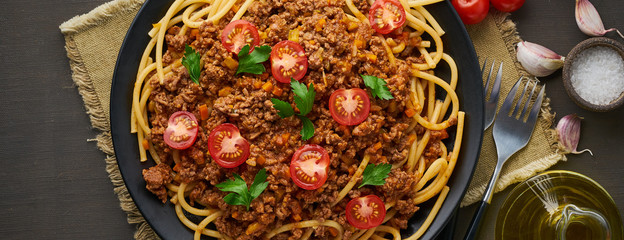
pixel 93 41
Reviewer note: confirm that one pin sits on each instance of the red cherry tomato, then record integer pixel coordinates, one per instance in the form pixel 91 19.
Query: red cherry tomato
pixel 227 147
pixel 308 167
pixel 239 33
pixel 386 15
pixel 288 60
pixel 181 130
pixel 349 107
pixel 507 5
pixel 366 212
pixel 471 11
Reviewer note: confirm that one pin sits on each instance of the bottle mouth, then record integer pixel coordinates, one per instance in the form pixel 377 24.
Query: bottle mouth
pixel 581 223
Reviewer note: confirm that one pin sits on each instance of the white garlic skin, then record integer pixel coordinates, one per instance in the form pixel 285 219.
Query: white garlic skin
pixel 537 59
pixel 569 132
pixel 588 19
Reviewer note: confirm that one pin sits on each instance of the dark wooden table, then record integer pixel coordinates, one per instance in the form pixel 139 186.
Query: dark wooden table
pixel 53 182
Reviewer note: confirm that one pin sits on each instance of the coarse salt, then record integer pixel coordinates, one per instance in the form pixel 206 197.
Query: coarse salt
pixel 598 75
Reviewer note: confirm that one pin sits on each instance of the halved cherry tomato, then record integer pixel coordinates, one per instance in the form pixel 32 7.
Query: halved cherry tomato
pixel 288 60
pixel 386 15
pixel 366 212
pixel 471 11
pixel 349 107
pixel 239 33
pixel 181 130
pixel 507 5
pixel 227 147
pixel 308 167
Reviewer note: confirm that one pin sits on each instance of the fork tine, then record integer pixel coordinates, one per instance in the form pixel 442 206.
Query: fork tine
pixel 487 83
pixel 497 83
pixel 483 67
pixel 536 108
pixel 526 106
pixel 506 107
pixel 520 100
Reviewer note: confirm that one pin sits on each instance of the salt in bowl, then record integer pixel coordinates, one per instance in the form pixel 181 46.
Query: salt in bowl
pixel 593 74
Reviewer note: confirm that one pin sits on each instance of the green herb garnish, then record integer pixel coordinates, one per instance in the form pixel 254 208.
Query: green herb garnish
pixel 375 174
pixel 240 194
pixel 251 62
pixel 308 128
pixel 284 109
pixel 304 100
pixel 377 87
pixel 191 63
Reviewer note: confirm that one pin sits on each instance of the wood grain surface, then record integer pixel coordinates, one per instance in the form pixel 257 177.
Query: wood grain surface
pixel 53 179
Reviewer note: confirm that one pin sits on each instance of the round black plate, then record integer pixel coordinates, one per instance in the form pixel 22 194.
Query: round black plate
pixel 162 217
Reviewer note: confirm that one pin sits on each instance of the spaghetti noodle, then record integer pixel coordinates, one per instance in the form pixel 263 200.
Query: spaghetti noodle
pixel 340 44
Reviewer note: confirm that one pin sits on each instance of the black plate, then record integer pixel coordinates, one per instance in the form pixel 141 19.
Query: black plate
pixel 162 217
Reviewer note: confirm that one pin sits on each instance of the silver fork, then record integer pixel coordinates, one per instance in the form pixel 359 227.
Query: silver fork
pixel 492 102
pixel 512 130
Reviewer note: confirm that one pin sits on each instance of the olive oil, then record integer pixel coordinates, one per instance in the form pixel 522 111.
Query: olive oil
pixel 559 205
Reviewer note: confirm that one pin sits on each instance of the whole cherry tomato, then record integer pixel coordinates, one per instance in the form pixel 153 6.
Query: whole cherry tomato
pixel 471 11
pixel 507 5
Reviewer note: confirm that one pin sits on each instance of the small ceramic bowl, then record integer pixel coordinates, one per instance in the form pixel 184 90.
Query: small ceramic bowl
pixel 567 73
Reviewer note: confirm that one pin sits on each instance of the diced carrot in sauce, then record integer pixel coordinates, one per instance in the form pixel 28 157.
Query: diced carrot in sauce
pixel 277 91
pixel 176 167
pixel 410 112
pixel 230 63
pixel 257 84
pixel 225 91
pixel 320 24
pixel 333 231
pixel 268 86
pixel 411 138
pixel 371 57
pixel 377 146
pixel 194 33
pixel 260 160
pixel 359 43
pixel 285 137
pixel 145 144
pixel 203 112
pixel 352 26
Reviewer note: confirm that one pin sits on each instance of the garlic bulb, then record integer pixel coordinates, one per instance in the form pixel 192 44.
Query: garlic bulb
pixel 569 131
pixel 538 60
pixel 589 21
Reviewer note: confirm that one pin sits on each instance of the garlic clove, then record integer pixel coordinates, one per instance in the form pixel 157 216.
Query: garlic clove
pixel 589 21
pixel 537 59
pixel 569 132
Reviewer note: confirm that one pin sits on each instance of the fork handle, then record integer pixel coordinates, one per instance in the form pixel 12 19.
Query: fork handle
pixel 476 220
pixel 475 223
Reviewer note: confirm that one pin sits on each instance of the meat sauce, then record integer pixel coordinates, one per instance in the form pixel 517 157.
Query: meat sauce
pixel 338 51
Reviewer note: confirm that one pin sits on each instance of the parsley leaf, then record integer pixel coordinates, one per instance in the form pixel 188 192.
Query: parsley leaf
pixel 191 63
pixel 284 109
pixel 308 128
pixel 377 87
pixel 304 96
pixel 259 184
pixel 375 174
pixel 251 62
pixel 304 100
pixel 240 194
